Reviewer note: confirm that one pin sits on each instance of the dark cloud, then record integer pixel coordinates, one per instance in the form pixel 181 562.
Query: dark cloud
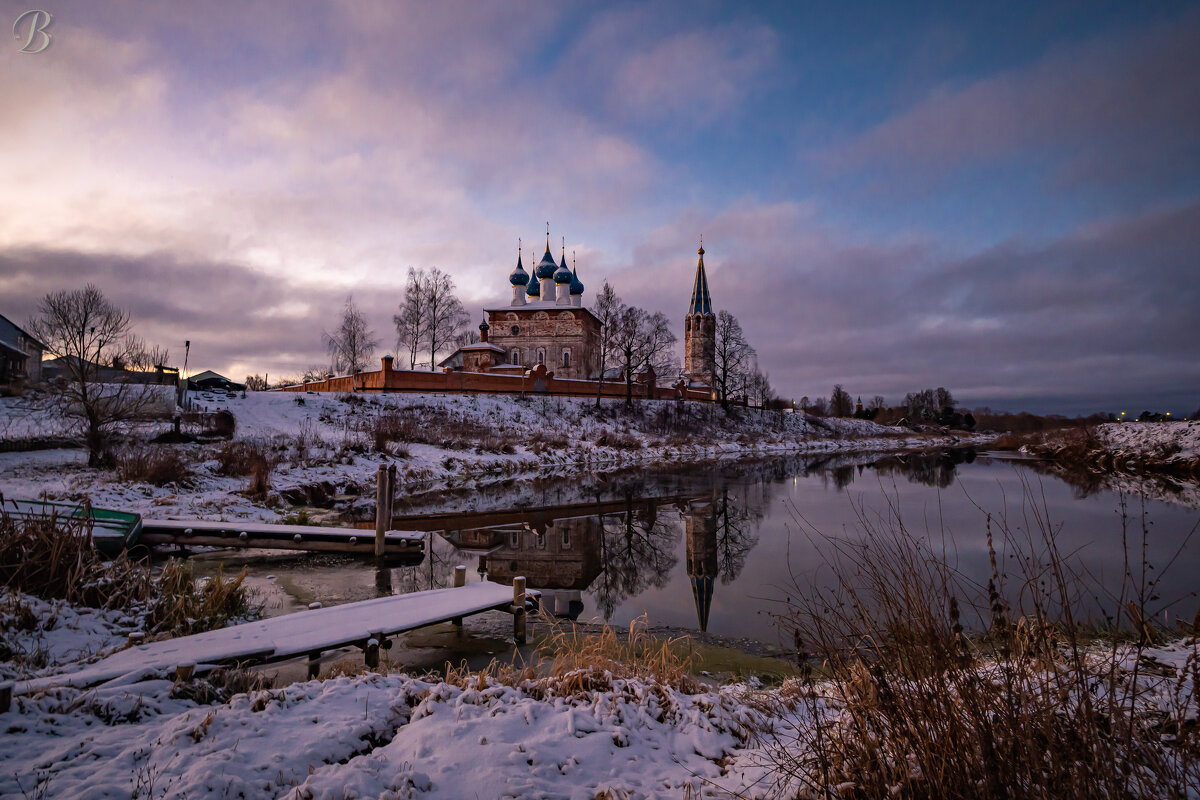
pixel 1122 110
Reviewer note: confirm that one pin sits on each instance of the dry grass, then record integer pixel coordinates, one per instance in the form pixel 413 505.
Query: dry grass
pixel 932 686
pixel 252 458
pixel 52 557
pixel 574 662
pixel 441 427
pixel 181 604
pixel 153 464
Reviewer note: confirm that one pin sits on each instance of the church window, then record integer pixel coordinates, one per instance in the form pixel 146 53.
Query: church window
pixel 515 357
pixel 566 358
pixel 516 330
pixel 566 540
pixel 512 540
pixel 541 356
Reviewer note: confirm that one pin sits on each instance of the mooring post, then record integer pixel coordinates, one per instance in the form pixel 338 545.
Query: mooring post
pixel 184 672
pixel 5 696
pixel 391 503
pixel 519 610
pixel 381 520
pixel 460 579
pixel 371 653
pixel 314 664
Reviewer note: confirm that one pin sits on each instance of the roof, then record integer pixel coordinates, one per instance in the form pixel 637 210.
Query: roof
pixel 11 333
pixel 540 305
pixel 482 346
pixel 701 301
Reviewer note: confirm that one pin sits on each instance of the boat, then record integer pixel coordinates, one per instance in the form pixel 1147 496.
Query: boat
pixel 112 531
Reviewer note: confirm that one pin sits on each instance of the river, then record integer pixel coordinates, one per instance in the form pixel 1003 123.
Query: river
pixel 717 551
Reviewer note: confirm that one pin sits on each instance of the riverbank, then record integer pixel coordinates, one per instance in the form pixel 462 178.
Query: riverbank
pixel 322 451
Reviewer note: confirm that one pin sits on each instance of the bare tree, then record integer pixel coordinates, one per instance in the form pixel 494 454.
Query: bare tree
pixel 878 403
pixel 733 356
pixel 410 322
pixel 256 383
pixel 444 313
pixel 640 340
pixel 607 308
pixel 353 344
pixel 88 333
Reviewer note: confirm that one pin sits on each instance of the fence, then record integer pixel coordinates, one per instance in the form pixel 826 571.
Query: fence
pixel 534 381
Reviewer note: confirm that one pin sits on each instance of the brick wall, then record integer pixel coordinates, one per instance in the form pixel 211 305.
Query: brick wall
pixel 536 381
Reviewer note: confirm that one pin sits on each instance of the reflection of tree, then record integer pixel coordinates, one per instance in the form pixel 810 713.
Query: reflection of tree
pixel 930 469
pixel 736 533
pixel 637 552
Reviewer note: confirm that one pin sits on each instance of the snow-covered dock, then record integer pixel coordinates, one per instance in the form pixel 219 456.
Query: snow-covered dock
pixel 266 535
pixel 367 624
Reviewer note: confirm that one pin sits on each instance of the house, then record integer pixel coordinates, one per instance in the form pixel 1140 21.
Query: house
pixel 20 354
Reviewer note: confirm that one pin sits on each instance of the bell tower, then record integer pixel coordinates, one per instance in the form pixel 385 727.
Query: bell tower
pixel 700 330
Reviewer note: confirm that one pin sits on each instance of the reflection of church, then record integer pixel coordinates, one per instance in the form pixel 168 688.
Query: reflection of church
pixel 701 526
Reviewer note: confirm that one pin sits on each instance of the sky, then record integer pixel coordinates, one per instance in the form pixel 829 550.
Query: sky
pixel 1002 199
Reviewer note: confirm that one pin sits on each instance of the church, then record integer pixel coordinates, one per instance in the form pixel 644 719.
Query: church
pixel 546 323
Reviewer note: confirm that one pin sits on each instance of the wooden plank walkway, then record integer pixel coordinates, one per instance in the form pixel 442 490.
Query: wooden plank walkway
pixel 302 633
pixel 270 536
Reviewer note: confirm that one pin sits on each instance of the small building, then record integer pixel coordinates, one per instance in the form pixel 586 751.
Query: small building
pixel 209 380
pixel 20 354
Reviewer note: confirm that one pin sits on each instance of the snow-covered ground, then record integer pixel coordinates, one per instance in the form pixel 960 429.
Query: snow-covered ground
pixel 578 735
pixel 1168 441
pixel 473 441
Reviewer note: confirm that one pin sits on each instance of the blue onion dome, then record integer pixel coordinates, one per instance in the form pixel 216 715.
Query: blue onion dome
pixel 576 284
pixel 563 275
pixel 519 276
pixel 546 267
pixel 534 290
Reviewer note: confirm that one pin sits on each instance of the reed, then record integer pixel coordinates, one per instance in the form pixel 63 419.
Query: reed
pixel 918 682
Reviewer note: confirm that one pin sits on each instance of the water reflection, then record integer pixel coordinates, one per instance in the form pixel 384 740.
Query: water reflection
pixel 719 548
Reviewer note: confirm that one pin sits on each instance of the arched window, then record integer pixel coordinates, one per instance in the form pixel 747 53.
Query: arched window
pixel 566 357
pixel 541 356
pixel 515 356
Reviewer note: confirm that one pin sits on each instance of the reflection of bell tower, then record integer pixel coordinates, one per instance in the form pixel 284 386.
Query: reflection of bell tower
pixel 700 330
pixel 701 526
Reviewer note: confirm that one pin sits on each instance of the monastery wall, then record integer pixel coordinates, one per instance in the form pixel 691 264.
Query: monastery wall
pixel 538 380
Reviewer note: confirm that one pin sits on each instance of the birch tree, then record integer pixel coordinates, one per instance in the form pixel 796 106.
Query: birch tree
pixel 607 308
pixel 352 344
pixel 410 322
pixel 444 314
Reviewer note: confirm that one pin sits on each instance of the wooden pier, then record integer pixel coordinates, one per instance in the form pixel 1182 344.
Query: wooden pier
pixel 265 535
pixel 368 624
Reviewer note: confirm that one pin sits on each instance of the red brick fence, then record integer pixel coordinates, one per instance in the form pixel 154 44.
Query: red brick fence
pixel 534 381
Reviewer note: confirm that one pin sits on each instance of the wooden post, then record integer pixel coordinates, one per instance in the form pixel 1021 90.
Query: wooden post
pixel 381 520
pixel 460 579
pixel 519 610
pixel 314 664
pixel 371 653
pixel 184 672
pixel 482 565
pixel 5 696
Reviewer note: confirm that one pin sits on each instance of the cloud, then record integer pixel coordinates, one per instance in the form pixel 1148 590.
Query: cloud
pixel 1106 112
pixel 1105 314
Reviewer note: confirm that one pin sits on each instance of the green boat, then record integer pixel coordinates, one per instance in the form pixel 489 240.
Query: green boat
pixel 112 531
